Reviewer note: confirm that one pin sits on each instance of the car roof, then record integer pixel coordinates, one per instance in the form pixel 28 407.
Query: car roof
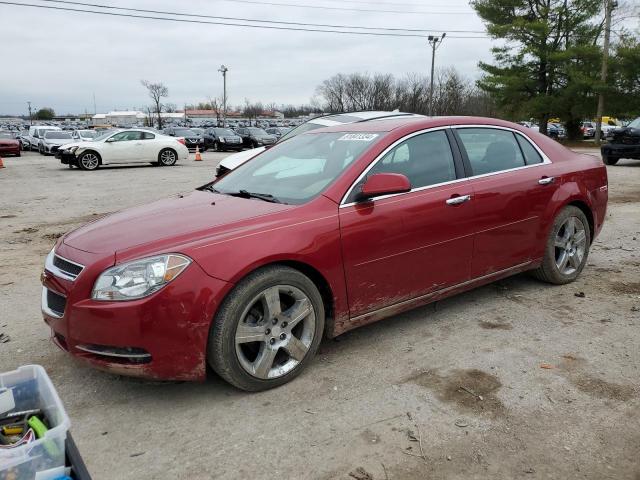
pixel 415 123
pixel 354 117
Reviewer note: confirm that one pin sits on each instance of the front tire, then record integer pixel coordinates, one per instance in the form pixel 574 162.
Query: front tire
pixel 167 157
pixel 89 161
pixel 567 248
pixel 609 160
pixel 267 329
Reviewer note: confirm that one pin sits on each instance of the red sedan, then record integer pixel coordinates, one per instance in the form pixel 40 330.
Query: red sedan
pixel 9 145
pixel 328 231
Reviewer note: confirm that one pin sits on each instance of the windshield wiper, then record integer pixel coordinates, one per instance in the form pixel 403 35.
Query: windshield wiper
pixel 267 197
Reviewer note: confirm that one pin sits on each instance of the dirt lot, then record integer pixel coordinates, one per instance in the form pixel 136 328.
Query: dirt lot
pixel 558 373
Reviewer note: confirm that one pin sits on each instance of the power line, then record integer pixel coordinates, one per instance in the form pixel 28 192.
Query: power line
pixel 184 20
pixel 321 7
pixel 240 19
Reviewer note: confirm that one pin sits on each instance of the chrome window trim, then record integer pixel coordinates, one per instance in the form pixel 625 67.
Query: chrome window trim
pixel 545 161
pixel 59 273
pixel 45 304
pixel 88 349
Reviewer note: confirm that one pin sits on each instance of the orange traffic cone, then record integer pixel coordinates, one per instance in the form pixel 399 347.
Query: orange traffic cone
pixel 1 163
pixel 198 156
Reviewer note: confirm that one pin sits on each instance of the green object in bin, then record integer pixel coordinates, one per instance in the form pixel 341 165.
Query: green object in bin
pixel 40 430
pixel 38 427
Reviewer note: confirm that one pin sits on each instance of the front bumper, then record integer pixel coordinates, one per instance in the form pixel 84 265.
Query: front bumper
pixel 66 157
pixel 163 336
pixel 10 150
pixel 621 150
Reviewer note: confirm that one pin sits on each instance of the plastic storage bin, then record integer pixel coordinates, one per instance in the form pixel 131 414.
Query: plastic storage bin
pixel 32 389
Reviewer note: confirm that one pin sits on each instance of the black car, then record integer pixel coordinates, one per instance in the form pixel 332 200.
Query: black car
pixel 223 139
pixel 624 143
pixel 192 139
pixel 254 137
pixel 278 131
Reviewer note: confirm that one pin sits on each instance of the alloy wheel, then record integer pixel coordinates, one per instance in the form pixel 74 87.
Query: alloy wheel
pixel 570 246
pixel 89 161
pixel 275 332
pixel 168 158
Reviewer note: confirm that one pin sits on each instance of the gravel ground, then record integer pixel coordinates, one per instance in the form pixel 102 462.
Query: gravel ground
pixel 558 373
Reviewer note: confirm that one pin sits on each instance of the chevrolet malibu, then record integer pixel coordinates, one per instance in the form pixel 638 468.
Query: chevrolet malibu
pixel 331 230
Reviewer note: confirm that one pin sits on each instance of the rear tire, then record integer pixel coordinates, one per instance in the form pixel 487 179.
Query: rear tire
pixel 567 248
pixel 270 313
pixel 609 160
pixel 167 157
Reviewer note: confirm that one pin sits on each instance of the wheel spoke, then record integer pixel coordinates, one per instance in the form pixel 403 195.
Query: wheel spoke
pixel 296 348
pixel 297 312
pixel 560 242
pixel 562 261
pixel 569 228
pixel 262 365
pixel 580 237
pixel 249 333
pixel 271 302
pixel 574 261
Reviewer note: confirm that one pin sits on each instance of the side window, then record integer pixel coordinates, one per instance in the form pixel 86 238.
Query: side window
pixel 148 135
pixel 531 155
pixel 127 136
pixel 424 159
pixel 490 150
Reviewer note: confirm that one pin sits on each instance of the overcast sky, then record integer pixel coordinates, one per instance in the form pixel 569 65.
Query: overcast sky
pixel 60 59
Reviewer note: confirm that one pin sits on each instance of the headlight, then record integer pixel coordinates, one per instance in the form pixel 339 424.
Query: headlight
pixel 139 278
pixel 222 139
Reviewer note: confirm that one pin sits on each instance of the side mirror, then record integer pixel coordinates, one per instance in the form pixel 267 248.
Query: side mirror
pixel 384 184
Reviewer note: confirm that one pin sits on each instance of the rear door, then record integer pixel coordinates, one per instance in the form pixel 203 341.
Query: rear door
pixel 400 247
pixel 512 186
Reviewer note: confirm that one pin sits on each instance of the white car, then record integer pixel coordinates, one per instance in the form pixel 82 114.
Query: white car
pixel 84 135
pixel 234 161
pixel 124 146
pixel 36 132
pixel 52 140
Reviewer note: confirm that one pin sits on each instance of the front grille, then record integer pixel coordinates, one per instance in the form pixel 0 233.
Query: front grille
pixel 56 303
pixel 65 266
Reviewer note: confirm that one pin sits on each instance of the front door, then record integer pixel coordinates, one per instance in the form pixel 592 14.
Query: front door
pixel 399 247
pixel 124 147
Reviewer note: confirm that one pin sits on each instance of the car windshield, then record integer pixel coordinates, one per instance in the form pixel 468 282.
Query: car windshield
pixel 6 135
pixel 88 133
pixel 104 135
pixel 257 131
pixel 185 132
pixel 305 127
pixel 57 135
pixel 224 132
pixel 297 171
pixel 635 123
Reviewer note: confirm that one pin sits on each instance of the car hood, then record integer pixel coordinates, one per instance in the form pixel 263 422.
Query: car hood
pixel 59 141
pixel 234 161
pixel 75 143
pixel 166 224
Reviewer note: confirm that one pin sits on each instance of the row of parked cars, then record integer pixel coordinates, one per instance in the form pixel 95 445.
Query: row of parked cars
pixel 227 139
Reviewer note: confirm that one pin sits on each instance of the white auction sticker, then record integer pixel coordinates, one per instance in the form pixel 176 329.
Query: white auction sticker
pixel 358 137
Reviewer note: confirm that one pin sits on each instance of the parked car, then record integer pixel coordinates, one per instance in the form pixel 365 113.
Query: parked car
pixel 323 233
pixel 9 144
pixel 23 138
pixel 278 131
pixel 556 131
pixel 192 139
pixel 124 146
pixel 84 135
pixel 253 137
pixel 223 139
pixel 234 161
pixel 36 132
pixel 624 143
pixel 52 140
pixel 588 129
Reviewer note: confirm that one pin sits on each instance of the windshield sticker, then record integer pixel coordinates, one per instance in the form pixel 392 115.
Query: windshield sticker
pixel 358 137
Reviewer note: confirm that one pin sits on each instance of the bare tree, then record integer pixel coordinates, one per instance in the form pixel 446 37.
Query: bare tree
pixel 157 91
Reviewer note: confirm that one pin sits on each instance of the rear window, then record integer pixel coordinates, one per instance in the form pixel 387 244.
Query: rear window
pixel 531 155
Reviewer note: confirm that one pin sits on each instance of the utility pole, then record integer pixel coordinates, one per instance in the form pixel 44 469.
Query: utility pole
pixel 30 121
pixel 435 42
pixel 95 110
pixel 608 9
pixel 224 71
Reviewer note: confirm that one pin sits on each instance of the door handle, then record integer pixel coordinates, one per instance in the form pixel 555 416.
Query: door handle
pixel 458 200
pixel 546 180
